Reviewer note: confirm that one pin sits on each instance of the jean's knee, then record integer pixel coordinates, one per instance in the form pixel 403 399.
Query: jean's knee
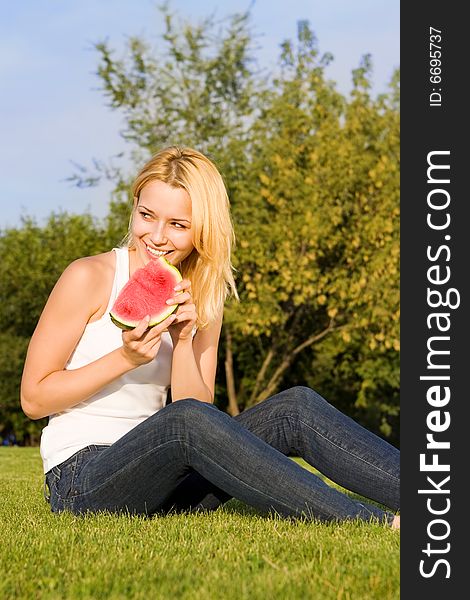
pixel 305 397
pixel 191 410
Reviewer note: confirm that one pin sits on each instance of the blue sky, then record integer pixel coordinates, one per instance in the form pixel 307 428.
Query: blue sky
pixel 52 112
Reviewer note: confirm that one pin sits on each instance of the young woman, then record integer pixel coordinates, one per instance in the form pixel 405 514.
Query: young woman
pixel 112 443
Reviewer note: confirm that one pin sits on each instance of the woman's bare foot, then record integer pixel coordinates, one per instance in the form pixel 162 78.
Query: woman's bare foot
pixel 396 522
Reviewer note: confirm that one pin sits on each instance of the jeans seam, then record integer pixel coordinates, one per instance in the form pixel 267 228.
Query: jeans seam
pixel 289 508
pixel 129 464
pixel 279 418
pixel 350 453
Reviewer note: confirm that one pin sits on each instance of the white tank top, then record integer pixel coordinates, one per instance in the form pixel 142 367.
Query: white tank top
pixel 118 407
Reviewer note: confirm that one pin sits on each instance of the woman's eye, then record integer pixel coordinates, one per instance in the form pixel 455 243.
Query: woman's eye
pixel 145 215
pixel 179 226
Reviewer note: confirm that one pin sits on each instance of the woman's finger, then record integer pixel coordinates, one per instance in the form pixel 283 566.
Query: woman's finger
pixel 184 284
pixel 186 313
pixel 156 331
pixel 163 326
pixel 183 292
pixel 179 298
pixel 138 332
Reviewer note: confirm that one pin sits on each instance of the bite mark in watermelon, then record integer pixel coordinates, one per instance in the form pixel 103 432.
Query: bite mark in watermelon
pixel 146 293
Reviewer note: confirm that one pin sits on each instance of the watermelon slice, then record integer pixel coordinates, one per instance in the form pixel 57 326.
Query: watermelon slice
pixel 145 294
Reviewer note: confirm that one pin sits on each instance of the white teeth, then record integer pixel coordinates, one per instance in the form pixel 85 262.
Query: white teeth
pixel 157 252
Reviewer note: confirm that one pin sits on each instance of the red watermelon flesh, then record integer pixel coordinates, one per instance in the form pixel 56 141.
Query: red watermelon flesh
pixel 145 294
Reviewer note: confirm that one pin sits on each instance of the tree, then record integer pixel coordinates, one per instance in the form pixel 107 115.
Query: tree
pixel 198 88
pixel 319 261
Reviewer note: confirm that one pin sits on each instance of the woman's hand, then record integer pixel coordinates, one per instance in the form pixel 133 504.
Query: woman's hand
pixel 185 315
pixel 141 344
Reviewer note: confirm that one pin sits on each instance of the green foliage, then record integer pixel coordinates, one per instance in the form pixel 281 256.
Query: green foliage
pixel 32 257
pixel 12 420
pixel 318 229
pixel 199 84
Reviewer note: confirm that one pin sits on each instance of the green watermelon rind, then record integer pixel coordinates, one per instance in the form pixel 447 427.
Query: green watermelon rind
pixel 154 319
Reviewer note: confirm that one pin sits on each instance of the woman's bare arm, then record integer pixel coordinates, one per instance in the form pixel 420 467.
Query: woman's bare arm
pixel 195 363
pixel 80 293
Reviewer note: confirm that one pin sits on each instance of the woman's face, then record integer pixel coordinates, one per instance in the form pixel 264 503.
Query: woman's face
pixel 162 223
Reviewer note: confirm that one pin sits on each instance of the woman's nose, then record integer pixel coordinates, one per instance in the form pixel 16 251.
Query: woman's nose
pixel 159 235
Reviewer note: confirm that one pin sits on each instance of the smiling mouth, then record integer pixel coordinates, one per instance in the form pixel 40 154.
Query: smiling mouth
pixel 157 253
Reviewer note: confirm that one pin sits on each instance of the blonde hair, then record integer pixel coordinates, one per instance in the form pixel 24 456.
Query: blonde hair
pixel 209 266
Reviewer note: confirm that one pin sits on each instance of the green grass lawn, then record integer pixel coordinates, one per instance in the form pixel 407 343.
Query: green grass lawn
pixel 232 553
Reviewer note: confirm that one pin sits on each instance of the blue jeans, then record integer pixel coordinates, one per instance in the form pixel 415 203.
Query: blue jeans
pixel 192 456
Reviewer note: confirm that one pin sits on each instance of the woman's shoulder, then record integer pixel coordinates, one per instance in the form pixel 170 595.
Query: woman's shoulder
pixel 88 281
pixel 92 269
pixel 89 278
